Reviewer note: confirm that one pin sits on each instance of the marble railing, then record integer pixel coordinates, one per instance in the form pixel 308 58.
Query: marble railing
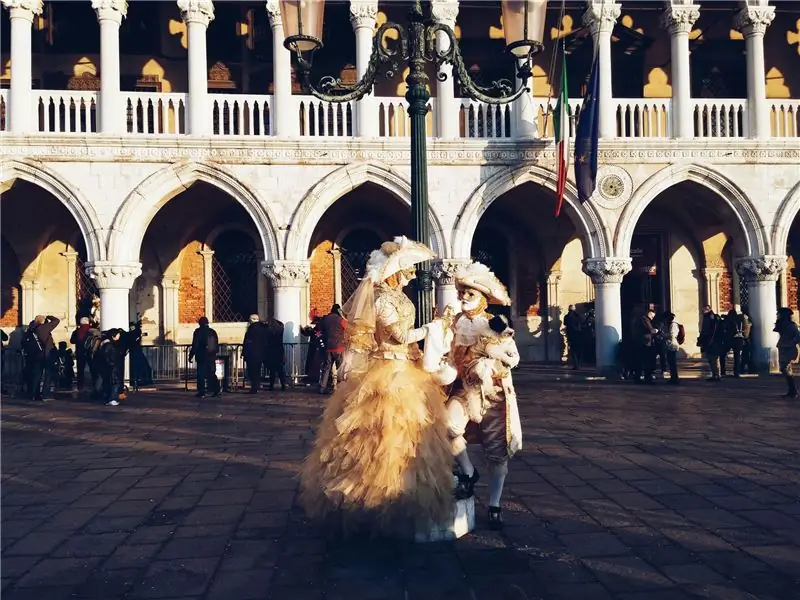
pixel 149 113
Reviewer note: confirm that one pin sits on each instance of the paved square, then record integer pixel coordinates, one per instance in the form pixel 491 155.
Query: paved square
pixel 622 491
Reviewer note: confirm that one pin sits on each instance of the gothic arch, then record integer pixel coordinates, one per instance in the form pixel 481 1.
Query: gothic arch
pixel 587 222
pixel 755 240
pixel 335 185
pixel 787 212
pixel 140 207
pixel 79 207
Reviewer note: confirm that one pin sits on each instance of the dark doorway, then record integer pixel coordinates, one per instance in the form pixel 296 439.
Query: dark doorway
pixel 644 285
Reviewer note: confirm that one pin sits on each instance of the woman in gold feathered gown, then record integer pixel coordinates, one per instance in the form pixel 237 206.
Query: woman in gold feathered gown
pixel 382 459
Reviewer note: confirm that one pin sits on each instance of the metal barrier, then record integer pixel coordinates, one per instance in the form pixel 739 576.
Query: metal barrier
pixel 12 372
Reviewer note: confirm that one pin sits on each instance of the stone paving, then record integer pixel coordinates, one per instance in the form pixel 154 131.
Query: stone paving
pixel 621 492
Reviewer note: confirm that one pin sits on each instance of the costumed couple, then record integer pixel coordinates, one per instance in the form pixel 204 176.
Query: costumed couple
pixel 384 456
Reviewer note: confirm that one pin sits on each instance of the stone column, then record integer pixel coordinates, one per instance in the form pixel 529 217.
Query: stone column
pixel 554 350
pixel 208 283
pixel 444 272
pixel 170 317
pixel 110 14
pixel 600 17
pixel 678 19
pixel 336 252
pixel 114 282
pixel 445 12
pixel 20 101
pixel 72 286
pixel 713 275
pixel 289 279
pixel 753 21
pixel 760 274
pixel 285 118
pixel 363 14
pixel 607 274
pixel 28 290
pixel 197 14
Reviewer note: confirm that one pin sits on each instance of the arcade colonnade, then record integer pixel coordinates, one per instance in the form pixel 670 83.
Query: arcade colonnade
pixel 113 246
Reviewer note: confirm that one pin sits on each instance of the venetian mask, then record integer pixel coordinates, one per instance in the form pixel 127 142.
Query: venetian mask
pixel 470 299
pixel 406 276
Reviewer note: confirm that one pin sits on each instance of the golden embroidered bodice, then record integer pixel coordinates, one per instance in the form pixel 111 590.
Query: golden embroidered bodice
pixel 394 318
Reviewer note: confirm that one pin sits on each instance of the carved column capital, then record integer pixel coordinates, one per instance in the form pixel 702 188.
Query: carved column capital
pixel 170 282
pixel 71 256
pixel 444 270
pixel 754 20
pixel 288 273
pixel 110 10
pixel 553 277
pixel 607 270
pixel 445 12
pixel 28 285
pixel 114 276
pixel 601 16
pixel 363 13
pixel 761 268
pixel 196 11
pixel 680 18
pixel 24 9
pixel 274 13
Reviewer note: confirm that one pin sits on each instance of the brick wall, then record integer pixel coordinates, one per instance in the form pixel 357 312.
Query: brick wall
pixel 10 314
pixel 792 284
pixel 321 292
pixel 725 291
pixel 191 295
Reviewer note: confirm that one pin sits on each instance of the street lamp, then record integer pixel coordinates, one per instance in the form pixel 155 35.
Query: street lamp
pixel 523 23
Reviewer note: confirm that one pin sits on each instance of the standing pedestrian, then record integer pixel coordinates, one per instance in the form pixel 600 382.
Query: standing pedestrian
pixel 332 327
pixel 110 363
pixel 734 338
pixel 205 346
pixel 711 340
pixel 573 327
pixel 644 333
pixel 674 335
pixel 254 346
pixel 788 350
pixel 77 339
pixel 36 346
pixel 274 356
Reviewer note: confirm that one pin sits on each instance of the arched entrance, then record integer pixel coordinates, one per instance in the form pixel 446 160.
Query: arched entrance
pixel 349 230
pixel 201 256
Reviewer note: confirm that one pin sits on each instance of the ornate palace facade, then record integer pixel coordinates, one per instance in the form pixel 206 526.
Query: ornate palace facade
pixel 161 154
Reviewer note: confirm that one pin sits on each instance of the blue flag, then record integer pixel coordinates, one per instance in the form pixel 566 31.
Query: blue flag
pixel 586 136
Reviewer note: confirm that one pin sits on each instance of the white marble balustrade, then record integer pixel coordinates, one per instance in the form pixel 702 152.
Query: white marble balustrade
pixel 154 113
pixel 65 111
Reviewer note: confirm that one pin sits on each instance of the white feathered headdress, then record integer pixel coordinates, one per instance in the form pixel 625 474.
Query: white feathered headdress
pixel 479 277
pixel 395 256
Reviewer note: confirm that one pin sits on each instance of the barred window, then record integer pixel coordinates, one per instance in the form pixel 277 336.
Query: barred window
pixel 356 248
pixel 85 286
pixel 234 277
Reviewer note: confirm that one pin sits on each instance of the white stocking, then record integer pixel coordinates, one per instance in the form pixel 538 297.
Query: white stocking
pixel 497 478
pixel 462 458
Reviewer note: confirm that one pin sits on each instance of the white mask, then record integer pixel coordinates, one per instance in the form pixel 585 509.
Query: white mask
pixel 470 299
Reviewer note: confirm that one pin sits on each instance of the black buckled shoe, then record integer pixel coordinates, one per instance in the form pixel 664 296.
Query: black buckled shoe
pixel 495 518
pixel 466 485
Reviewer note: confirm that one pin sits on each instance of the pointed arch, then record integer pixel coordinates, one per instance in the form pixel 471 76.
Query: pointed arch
pixel 587 222
pixel 80 208
pixel 785 216
pixel 338 183
pixel 143 203
pixel 755 240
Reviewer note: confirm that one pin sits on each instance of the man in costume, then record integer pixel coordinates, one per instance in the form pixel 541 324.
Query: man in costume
pixel 478 336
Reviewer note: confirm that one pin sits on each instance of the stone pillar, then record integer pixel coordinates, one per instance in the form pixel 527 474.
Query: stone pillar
pixel 336 252
pixel 600 17
pixel 713 275
pixel 72 287
pixel 554 350
pixel 445 12
pixel 760 274
pixel 678 19
pixel 114 282
pixel 208 283
pixel 197 14
pixel 607 274
pixel 28 290
pixel 20 101
pixel 289 279
pixel 363 14
pixel 170 317
pixel 753 21
pixel 444 271
pixel 285 118
pixel 110 14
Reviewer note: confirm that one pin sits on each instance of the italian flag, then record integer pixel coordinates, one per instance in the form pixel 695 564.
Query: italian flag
pixel 561 128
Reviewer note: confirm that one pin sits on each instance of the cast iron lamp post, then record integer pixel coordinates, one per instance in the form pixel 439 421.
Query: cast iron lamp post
pixel 523 24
